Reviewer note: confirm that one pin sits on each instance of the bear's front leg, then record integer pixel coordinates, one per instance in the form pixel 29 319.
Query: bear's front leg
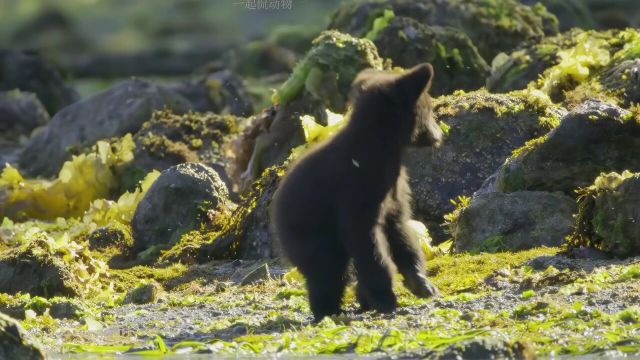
pixel 325 276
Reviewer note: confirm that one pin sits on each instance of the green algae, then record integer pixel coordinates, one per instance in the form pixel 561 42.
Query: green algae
pixel 379 24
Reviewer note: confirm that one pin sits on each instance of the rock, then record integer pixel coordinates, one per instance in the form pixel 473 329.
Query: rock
pixel 144 294
pixel 249 235
pixel 176 203
pixel 483 129
pixel 485 348
pixel 572 67
pixel 169 139
pixel 624 81
pixel 609 216
pixel 328 69
pixel 31 269
pixel 26 71
pixel 490 30
pixel 221 92
pixel 14 342
pixel 20 113
pixel 591 14
pixel 257 273
pixel 456 61
pixel 515 70
pixel 111 236
pixel 516 221
pixel 596 137
pixel 116 111
pixel 65 309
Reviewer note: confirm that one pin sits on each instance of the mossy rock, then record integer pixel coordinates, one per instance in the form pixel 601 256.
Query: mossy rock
pixel 576 60
pixel 114 112
pixel 492 25
pixel 481 130
pixel 248 235
pixel 623 82
pixel 595 137
pixel 32 269
pixel 180 200
pixel 456 61
pixel 14 342
pixel 20 113
pixel 169 139
pixel 328 69
pixel 115 236
pixel 143 294
pixel 516 221
pixel 609 216
pixel 515 70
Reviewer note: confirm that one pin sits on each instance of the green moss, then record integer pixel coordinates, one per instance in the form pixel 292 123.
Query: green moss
pixel 631 48
pixel 455 273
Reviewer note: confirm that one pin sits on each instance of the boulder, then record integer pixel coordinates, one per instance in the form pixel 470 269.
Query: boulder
pixel 20 113
pixel 221 92
pixel 14 342
pixel 177 202
pixel 66 309
pixel 32 269
pixel 516 221
pixel 481 130
pixel 456 61
pixel 493 26
pixel 26 71
pixel 114 236
pixel 623 80
pixel 170 139
pixel 609 216
pixel 143 294
pixel 595 137
pixel 248 234
pixel 116 111
pixel 572 67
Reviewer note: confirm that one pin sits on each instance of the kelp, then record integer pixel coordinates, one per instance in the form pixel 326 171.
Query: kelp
pixel 83 179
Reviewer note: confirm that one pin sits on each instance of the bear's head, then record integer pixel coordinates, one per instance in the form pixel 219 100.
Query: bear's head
pixel 400 98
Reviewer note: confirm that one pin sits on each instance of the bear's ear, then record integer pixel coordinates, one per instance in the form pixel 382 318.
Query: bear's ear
pixel 416 80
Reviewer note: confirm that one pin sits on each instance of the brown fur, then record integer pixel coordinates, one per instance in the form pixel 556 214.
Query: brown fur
pixel 349 198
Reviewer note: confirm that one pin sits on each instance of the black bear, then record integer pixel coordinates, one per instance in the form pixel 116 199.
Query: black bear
pixel 349 198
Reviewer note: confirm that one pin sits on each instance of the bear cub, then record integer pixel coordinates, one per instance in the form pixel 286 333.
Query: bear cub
pixel 348 199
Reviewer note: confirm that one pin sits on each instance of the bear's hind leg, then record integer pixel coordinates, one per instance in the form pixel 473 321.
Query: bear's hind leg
pixel 407 255
pixel 326 281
